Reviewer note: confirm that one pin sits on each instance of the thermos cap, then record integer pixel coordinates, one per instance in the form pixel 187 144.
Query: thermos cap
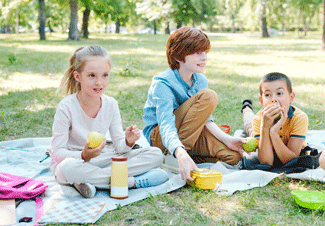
pixel 119 159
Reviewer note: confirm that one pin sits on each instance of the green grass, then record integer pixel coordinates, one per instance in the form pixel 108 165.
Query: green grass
pixel 28 99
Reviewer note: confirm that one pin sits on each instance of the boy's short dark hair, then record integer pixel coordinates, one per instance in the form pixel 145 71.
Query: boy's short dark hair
pixel 183 42
pixel 273 76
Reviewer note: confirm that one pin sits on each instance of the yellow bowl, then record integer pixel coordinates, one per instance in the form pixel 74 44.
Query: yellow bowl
pixel 208 179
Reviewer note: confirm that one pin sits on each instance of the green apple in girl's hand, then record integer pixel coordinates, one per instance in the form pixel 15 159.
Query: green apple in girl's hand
pixel 94 139
pixel 251 144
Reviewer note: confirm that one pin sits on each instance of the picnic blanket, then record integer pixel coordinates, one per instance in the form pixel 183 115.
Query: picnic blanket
pixel 238 180
pixel 65 204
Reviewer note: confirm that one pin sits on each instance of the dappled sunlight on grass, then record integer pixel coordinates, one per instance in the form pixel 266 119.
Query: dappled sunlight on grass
pixel 49 48
pixel 36 106
pixel 114 37
pixel 228 205
pixel 137 51
pixel 261 64
pixel 297 186
pixel 146 51
pixel 23 81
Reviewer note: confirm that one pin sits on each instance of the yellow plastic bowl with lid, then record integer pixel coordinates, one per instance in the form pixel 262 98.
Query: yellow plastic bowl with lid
pixel 208 179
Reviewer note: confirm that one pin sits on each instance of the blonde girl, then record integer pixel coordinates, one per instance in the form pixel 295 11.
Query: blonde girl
pixel 86 109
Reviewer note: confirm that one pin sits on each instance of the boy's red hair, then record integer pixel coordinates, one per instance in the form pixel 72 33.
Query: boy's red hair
pixel 183 42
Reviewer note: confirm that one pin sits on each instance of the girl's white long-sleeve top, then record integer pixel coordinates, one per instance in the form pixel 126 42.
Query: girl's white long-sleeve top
pixel 71 127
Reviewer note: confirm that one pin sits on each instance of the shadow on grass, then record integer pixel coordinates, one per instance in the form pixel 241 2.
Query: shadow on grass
pixel 27 113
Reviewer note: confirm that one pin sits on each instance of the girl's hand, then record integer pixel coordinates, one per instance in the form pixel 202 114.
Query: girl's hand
pixel 89 153
pixel 132 134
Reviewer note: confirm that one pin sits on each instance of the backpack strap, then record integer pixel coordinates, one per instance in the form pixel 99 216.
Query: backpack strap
pixel 39 209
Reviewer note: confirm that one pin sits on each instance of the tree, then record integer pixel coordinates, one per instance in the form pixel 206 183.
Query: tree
pixel 42 19
pixel 85 19
pixel 15 13
pixel 57 15
pixel 278 14
pixel 233 8
pixel 305 11
pixel 206 11
pixel 155 11
pixel 183 12
pixel 17 17
pixel 102 9
pixel 323 47
pixel 73 28
pixel 263 23
pixel 119 11
pixel 118 7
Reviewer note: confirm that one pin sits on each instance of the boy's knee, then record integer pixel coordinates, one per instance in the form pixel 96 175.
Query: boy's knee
pixel 210 96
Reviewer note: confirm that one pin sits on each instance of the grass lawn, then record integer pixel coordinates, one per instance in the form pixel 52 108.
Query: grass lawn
pixel 30 72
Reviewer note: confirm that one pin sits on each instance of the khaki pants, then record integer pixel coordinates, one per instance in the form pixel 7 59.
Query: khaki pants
pixel 98 170
pixel 201 144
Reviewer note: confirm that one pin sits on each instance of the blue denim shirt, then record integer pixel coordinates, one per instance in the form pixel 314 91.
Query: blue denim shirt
pixel 167 92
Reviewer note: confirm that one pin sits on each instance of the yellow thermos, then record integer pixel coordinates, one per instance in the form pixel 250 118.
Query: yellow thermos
pixel 119 178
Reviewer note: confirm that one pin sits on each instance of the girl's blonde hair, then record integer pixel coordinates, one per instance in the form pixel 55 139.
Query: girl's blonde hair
pixel 77 63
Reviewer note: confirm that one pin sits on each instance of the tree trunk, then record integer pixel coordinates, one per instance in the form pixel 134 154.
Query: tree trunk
pixel 42 20
pixel 211 29
pixel 106 26
pixel 73 28
pixel 233 25
pixel 117 26
pixel 263 27
pixel 17 19
pixel 265 34
pixel 167 29
pixel 298 22
pixel 178 24
pixel 85 22
pixel 305 24
pixel 283 29
pixel 323 25
pixel 154 27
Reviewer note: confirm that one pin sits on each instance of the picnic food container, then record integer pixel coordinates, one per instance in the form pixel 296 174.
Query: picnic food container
pixel 119 178
pixel 309 199
pixel 208 179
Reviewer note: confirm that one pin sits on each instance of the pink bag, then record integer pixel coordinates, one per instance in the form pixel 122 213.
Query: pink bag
pixel 12 187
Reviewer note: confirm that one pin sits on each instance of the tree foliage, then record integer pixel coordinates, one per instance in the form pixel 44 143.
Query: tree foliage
pixel 232 15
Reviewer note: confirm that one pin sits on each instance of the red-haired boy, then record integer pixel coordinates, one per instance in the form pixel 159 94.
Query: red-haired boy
pixel 177 113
